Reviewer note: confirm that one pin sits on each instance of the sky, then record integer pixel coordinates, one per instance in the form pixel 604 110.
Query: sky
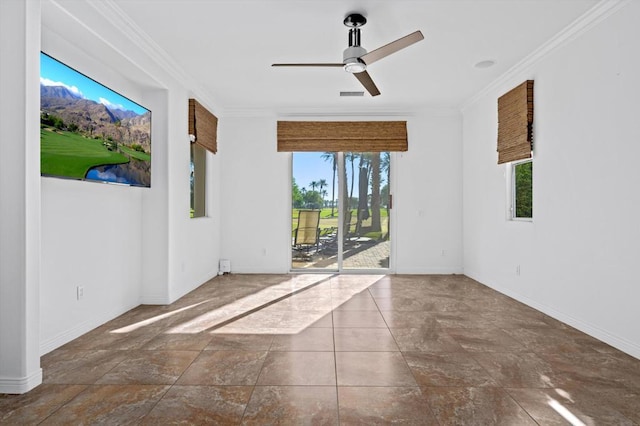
pixel 54 73
pixel 310 166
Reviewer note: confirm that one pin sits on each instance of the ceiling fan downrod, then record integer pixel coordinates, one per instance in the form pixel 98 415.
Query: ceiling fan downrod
pixel 351 55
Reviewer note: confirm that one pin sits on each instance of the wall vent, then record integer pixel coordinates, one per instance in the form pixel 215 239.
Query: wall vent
pixel 351 93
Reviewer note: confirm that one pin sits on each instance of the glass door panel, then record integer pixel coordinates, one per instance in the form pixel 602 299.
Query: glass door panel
pixel 365 229
pixel 314 213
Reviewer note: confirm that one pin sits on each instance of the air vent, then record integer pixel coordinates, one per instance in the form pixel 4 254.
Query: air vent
pixel 351 93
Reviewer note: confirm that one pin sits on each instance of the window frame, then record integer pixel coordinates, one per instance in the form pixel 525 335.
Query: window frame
pixel 198 192
pixel 511 207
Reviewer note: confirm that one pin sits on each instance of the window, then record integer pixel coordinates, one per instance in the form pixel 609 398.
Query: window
pixel 522 190
pixel 198 174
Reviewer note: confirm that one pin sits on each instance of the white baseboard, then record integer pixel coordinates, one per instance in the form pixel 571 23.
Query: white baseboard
pixel 430 271
pixel 19 385
pixel 68 335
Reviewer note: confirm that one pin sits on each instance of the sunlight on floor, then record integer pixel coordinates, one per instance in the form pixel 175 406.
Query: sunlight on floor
pixel 565 413
pixel 152 320
pixel 285 308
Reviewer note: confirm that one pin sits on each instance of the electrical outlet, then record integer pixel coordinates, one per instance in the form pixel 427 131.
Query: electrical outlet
pixel 518 270
pixel 80 292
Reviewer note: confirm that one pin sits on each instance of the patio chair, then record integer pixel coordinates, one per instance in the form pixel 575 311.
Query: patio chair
pixel 307 234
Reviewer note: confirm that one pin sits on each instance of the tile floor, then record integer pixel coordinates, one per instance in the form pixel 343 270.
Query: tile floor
pixel 334 349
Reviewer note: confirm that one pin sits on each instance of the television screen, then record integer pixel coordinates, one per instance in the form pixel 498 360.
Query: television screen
pixel 88 131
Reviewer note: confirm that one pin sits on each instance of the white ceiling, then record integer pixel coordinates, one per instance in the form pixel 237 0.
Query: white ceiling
pixel 227 47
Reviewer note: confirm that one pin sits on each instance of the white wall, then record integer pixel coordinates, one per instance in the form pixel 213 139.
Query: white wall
pixel 254 196
pixel 579 255
pixel 124 245
pixel 427 198
pixel 19 197
pixel 91 237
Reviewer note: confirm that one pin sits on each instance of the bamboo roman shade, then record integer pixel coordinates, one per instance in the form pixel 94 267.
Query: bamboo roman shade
pixel 203 125
pixel 342 136
pixel 515 123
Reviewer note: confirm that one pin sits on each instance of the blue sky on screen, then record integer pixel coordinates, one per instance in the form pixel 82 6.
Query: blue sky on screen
pixel 54 73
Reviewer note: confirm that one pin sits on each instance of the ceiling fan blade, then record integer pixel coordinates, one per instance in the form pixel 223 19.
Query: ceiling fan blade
pixel 367 82
pixel 394 46
pixel 309 65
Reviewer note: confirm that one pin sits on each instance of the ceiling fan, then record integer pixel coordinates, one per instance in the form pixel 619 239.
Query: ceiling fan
pixel 356 58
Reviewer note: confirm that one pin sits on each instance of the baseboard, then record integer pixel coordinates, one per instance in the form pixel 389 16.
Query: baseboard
pixel 66 336
pixel 617 342
pixel 266 271
pixel 21 385
pixel 183 291
pixel 430 271
pixel 159 298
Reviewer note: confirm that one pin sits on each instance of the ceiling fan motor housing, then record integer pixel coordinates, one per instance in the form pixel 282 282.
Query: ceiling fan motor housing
pixel 351 59
pixel 352 54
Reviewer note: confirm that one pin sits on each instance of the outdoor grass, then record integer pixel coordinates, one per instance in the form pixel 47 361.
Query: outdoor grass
pixel 135 154
pixel 72 155
pixel 327 221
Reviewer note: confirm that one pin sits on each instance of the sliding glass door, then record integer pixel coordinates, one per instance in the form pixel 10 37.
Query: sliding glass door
pixel 366 199
pixel 340 211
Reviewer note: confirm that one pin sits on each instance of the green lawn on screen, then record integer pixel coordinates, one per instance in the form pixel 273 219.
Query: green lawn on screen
pixel 135 154
pixel 72 155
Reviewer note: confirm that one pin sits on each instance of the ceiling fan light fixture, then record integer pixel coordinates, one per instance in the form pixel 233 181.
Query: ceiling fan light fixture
pixel 351 59
pixel 355 67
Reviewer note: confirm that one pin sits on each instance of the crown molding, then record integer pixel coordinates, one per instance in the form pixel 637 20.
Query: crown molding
pixel 598 13
pixel 121 22
pixel 319 112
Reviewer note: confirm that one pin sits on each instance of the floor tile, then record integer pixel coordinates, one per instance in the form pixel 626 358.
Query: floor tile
pixel 224 368
pixel 383 406
pixel 595 369
pixel 451 369
pixel 554 340
pixel 200 405
pixel 178 342
pixel 518 370
pixel 109 404
pixel 373 369
pixel 427 339
pixel 475 406
pixel 355 303
pixel 80 367
pixel 310 339
pixel 404 319
pixel 150 368
pixel 580 405
pixel 292 405
pixel 485 340
pixel 365 319
pixel 239 342
pixel 403 349
pixel 302 319
pixel 364 340
pixel 35 406
pixel 112 338
pixel 298 368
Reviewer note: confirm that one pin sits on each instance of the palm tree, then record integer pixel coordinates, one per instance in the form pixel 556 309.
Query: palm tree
pixel 313 185
pixel 333 156
pixel 375 192
pixel 324 194
pixel 322 183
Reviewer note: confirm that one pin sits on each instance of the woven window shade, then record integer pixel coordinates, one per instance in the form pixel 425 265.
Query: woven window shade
pixel 515 123
pixel 203 125
pixel 342 136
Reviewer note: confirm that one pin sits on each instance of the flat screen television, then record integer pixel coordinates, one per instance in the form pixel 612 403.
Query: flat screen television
pixel 88 131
